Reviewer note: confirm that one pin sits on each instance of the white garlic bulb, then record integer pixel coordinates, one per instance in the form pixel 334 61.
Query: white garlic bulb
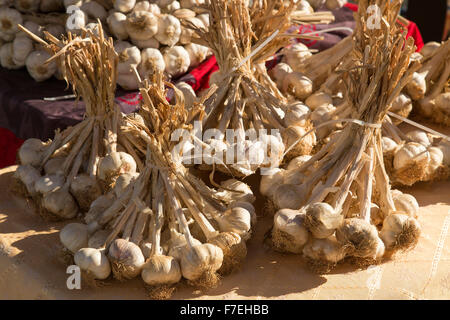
pixel 191 3
pixel 294 139
pixel 204 17
pixel 22 47
pixel 323 253
pixel 279 72
pixel 297 114
pixel 144 44
pixel 360 238
pixel 318 99
pixel 402 105
pixel 298 162
pixel 234 251
pixel 54 166
pixel 27 5
pixel 85 189
pixel 128 81
pixel 152 61
pixel 316 4
pixel 237 220
pixel 9 19
pixel 124 5
pixel 31 152
pixel 123 181
pixel 56 30
pixel 98 206
pixel 189 94
pixel 442 103
pixel 197 53
pixel 116 23
pixel 94 262
pixel 200 259
pixel 412 156
pixel 126 259
pixel 288 196
pixel 335 4
pixel 244 192
pixel 304 6
pixel 60 203
pixel 400 231
pixel 419 136
pixel 289 233
pixel 49 183
pixel 28 175
pixel 169 30
pixel 436 161
pixel 173 6
pixel 444 146
pixel 141 25
pixel 247 206
pixel 6 57
pixel 296 55
pixel 98 239
pixel 37 66
pixel 388 145
pixel 322 220
pixel 74 236
pixel 429 48
pixel 114 164
pixel 405 203
pixel 94 10
pixel 161 270
pixel 297 85
pixel 417 87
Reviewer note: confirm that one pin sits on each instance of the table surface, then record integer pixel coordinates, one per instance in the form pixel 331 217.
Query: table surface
pixel 31 268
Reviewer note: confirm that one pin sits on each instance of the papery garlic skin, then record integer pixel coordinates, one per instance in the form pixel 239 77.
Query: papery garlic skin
pixel 297 85
pixel 31 152
pixel 177 61
pixel 323 254
pixel 169 30
pixel 237 220
pixel 417 87
pixel 22 47
pixel 49 183
pixel 400 231
pixel 74 236
pixel 116 23
pixel 94 262
pixel 197 53
pixel 189 94
pixel 322 220
pixel 296 55
pixel 152 61
pixel 244 193
pixel 199 259
pixel 60 203
pixel 94 10
pixel 124 5
pixel 436 162
pixel 6 57
pixel 161 270
pixel 279 72
pixel 288 196
pixel 270 182
pixel 28 175
pixel 298 162
pixel 9 19
pixel 97 239
pixel 141 25
pixel 289 233
pixel 297 114
pixel 419 136
pixel 405 203
pixel 126 259
pixel 85 189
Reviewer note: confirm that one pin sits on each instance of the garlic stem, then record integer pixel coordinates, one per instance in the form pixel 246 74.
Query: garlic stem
pixel 366 201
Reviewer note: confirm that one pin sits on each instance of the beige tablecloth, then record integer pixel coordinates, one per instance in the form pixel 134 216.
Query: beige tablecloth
pixel 31 268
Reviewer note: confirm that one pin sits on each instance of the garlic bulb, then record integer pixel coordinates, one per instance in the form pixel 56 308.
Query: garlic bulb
pixel 152 61
pixel 56 30
pixel 116 23
pixel 410 162
pixel 161 270
pixel 49 183
pixel 9 19
pixel 114 164
pixel 169 30
pixel 22 47
pixel 124 5
pixel 123 181
pixel 360 238
pixel 388 145
pixel 163 3
pixel 27 5
pixel 28 175
pixel 289 233
pixel 400 231
pixel 243 191
pixel 291 136
pixel 197 53
pixel 419 136
pixel 436 161
pixel 32 27
pixel 237 220
pixel 296 55
pixel 297 162
pixel 279 72
pixel 54 166
pixel 126 259
pixel 141 25
pixel 417 87
pixel 98 206
pixel 429 48
pixel 316 4
pixel 76 3
pixel 37 66
pixel 74 236
pixel 178 244
pixel 31 152
pixel 85 189
pixel 288 196
pixel 147 6
pixel 269 182
pixel 200 260
pixel 318 99
pixel 405 203
pixel 297 85
pixel 60 203
pixel 323 254
pixel 204 17
pixel 94 10
pixel 177 61
pixel 97 239
pixel 128 81
pixel 304 6
pixel 6 57
pixel 335 4
pixel 173 6
pixel 189 94
pixel 94 262
pixel 144 44
pixel 247 206
pixel 51 6
pixel 442 102
pixel 322 220
pixel 402 105
pixel 297 114
pixel 191 3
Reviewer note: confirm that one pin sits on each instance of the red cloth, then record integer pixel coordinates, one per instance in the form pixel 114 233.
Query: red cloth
pixel 413 30
pixel 9 144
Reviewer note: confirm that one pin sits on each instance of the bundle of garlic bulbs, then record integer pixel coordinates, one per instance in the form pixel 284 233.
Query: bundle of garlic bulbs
pixel 65 175
pixel 339 202
pixel 166 224
pixel 151 32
